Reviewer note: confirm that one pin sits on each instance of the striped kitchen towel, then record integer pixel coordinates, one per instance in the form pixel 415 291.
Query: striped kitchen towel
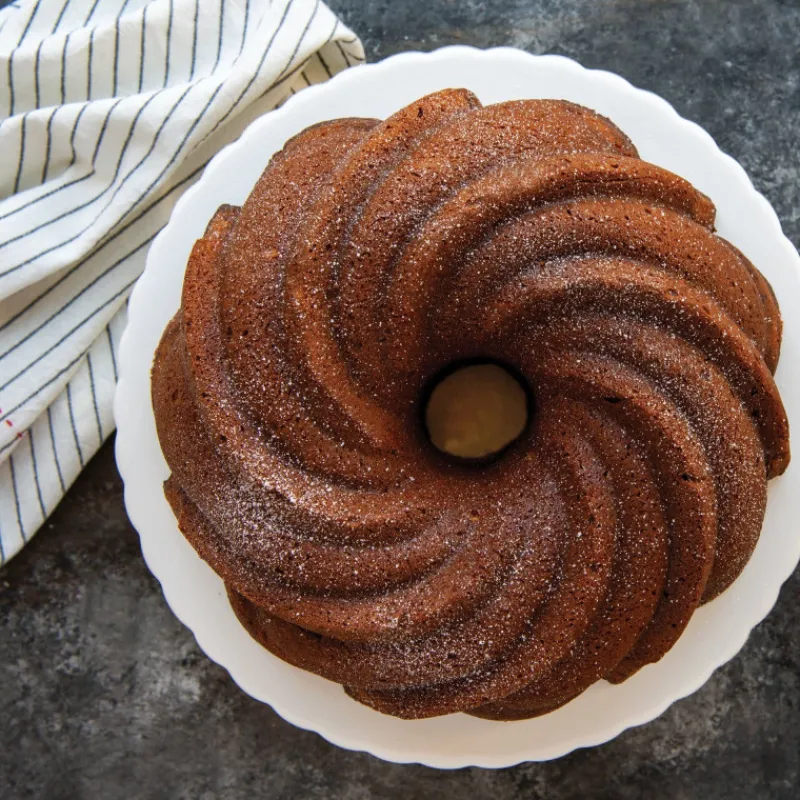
pixel 108 112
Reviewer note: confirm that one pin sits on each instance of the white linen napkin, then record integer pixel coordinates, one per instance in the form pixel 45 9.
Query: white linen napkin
pixel 109 111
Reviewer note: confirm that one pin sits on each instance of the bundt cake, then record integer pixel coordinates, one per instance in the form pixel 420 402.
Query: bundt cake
pixel 369 257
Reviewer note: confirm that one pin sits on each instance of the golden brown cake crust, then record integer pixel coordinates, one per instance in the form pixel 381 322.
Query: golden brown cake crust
pixel 369 256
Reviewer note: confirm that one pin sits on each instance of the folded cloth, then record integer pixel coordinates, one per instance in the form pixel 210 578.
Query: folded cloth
pixel 110 111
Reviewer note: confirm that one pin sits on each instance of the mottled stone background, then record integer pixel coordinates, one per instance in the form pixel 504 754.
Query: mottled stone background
pixel 105 695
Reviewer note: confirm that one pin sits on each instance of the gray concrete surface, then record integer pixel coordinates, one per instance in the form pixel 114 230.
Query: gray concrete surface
pixel 103 694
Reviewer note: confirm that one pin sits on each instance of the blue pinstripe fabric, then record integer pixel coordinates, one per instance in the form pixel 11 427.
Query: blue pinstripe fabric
pixel 108 112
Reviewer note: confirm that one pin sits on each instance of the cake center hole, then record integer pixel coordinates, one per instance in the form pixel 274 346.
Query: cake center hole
pixel 476 410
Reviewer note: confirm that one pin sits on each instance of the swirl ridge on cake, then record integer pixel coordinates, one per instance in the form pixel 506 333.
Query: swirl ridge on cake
pixel 370 256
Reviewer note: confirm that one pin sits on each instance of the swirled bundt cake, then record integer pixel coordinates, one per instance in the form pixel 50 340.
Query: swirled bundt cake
pixel 369 257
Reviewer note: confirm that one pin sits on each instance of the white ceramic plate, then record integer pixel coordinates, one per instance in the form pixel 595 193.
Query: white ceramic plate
pixel 196 594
